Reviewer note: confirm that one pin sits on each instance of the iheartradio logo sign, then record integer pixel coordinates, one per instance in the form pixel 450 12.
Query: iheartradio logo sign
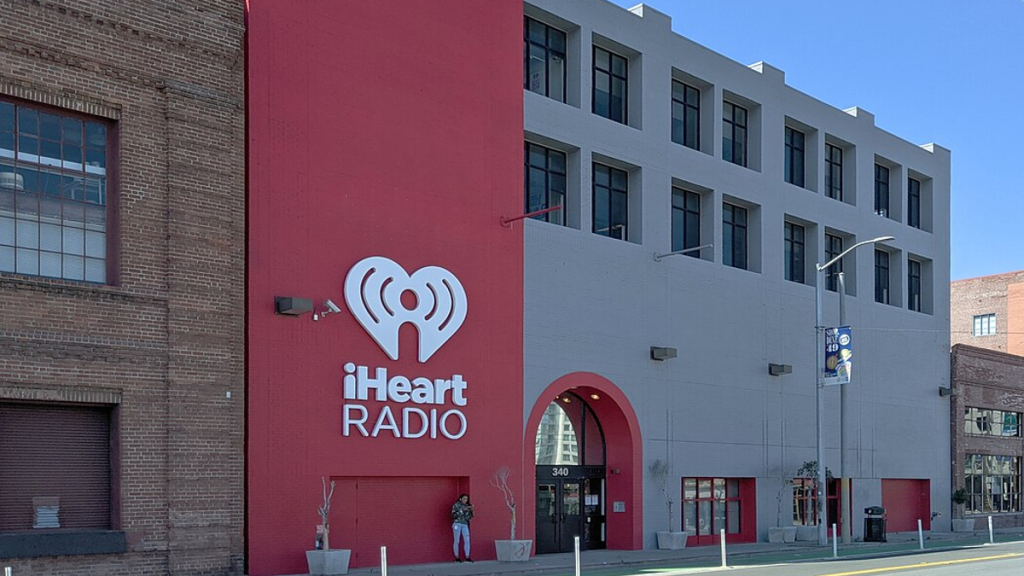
pixel 373 293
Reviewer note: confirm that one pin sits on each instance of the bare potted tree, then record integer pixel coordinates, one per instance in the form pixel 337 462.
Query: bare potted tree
pixel 510 550
pixel 667 539
pixel 809 469
pixel 327 562
pixel 783 499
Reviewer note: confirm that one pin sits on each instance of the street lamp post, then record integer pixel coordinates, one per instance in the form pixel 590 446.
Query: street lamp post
pixel 819 383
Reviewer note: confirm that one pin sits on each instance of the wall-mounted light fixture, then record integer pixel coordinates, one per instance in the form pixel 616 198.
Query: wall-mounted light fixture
pixel 292 306
pixel 659 353
pixel 943 391
pixel 779 369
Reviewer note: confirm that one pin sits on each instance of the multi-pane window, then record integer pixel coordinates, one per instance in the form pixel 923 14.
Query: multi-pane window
pixel 545 182
pixel 794 156
pixel 734 133
pixel 914 285
pixel 987 422
pixel 794 252
pixel 610 85
pixel 611 198
pixel 914 203
pixel 834 171
pixel 984 325
pixel 881 190
pixel 543 59
pixel 805 501
pixel 992 482
pixel 833 248
pixel 881 276
pixel 710 505
pixel 685 221
pixel 53 194
pixel 685 115
pixel 734 236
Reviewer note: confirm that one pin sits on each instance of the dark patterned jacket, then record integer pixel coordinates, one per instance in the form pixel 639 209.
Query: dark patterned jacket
pixel 462 513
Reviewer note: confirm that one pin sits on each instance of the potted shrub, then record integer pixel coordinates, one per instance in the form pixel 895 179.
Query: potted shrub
pixel 667 539
pixel 961 524
pixel 511 550
pixel 327 562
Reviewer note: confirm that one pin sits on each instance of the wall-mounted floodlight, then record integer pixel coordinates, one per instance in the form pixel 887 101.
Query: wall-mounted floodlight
pixel 291 306
pixel 943 391
pixel 658 257
pixel 662 353
pixel 779 369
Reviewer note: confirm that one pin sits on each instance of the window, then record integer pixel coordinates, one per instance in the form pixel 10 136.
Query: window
pixel 543 59
pixel 545 182
pixel 55 467
pixel 53 194
pixel 610 85
pixel 794 157
pixel 914 203
pixel 685 115
pixel 610 201
pixel 833 248
pixel 734 133
pixel 834 172
pixel 986 422
pixel 805 501
pixel 881 276
pixel 734 236
pixel 881 190
pixel 993 483
pixel 914 285
pixel 711 504
pixel 794 252
pixel 685 221
pixel 985 325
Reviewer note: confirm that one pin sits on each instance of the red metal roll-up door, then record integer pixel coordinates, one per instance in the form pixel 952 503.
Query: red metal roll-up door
pixel 54 451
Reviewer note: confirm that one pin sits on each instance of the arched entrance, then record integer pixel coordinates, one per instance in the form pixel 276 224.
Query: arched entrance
pixel 588 475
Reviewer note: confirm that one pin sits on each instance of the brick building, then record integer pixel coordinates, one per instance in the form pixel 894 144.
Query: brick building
pixel 987 380
pixel 121 287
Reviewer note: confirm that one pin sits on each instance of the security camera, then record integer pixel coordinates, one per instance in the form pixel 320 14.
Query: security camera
pixel 329 308
pixel 332 307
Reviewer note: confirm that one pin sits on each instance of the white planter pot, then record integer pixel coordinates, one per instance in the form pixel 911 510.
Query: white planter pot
pixel 328 562
pixel 963 525
pixel 807 533
pixel 672 540
pixel 513 550
pixel 782 535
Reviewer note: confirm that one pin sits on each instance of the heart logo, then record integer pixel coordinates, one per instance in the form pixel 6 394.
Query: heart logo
pixel 373 293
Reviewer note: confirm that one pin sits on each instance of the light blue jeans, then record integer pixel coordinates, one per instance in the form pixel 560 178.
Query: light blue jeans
pixel 460 530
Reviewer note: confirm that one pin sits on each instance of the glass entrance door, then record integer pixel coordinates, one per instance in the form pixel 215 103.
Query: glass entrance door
pixel 568 507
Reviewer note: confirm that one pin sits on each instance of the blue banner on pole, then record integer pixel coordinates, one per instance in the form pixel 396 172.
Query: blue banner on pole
pixel 838 355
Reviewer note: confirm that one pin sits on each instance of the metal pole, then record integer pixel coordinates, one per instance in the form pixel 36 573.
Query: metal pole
pixel 7 571
pixel 576 551
pixel 722 539
pixel 844 476
pixel 835 541
pixel 383 561
pixel 820 488
pixel 991 537
pixel 920 535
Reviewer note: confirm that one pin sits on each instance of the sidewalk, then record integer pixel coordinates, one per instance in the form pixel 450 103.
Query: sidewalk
pixel 628 561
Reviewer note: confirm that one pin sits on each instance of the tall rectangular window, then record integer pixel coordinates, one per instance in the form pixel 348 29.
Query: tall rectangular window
pixel 984 325
pixel 992 482
pixel 881 190
pixel 543 59
pixel 833 248
pixel 685 221
pixel 545 182
pixel 734 133
pixel 914 203
pixel 794 157
pixel 881 276
pixel 610 85
pixel 711 505
pixel 914 285
pixel 794 248
pixel 611 198
pixel 53 194
pixel 685 115
pixel 734 236
pixel 834 172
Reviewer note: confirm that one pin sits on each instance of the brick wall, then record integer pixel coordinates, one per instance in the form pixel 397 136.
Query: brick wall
pixel 168 340
pixel 985 295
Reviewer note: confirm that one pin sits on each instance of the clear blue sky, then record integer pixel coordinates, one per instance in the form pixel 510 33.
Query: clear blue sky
pixel 943 71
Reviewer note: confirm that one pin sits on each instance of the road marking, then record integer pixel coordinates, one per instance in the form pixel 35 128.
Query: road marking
pixel 923 565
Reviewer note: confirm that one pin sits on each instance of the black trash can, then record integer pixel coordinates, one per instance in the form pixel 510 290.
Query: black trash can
pixel 874 524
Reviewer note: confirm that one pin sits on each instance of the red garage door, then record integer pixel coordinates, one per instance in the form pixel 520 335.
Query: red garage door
pixel 906 501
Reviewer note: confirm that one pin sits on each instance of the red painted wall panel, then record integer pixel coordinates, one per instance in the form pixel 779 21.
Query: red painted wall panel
pixel 906 501
pixel 380 129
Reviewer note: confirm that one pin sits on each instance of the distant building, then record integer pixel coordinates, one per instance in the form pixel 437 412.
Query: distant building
pixel 988 312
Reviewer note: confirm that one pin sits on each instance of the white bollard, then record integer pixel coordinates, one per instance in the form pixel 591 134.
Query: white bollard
pixel 576 546
pixel 991 537
pixel 920 535
pixel 724 565
pixel 7 571
pixel 835 541
pixel 383 561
